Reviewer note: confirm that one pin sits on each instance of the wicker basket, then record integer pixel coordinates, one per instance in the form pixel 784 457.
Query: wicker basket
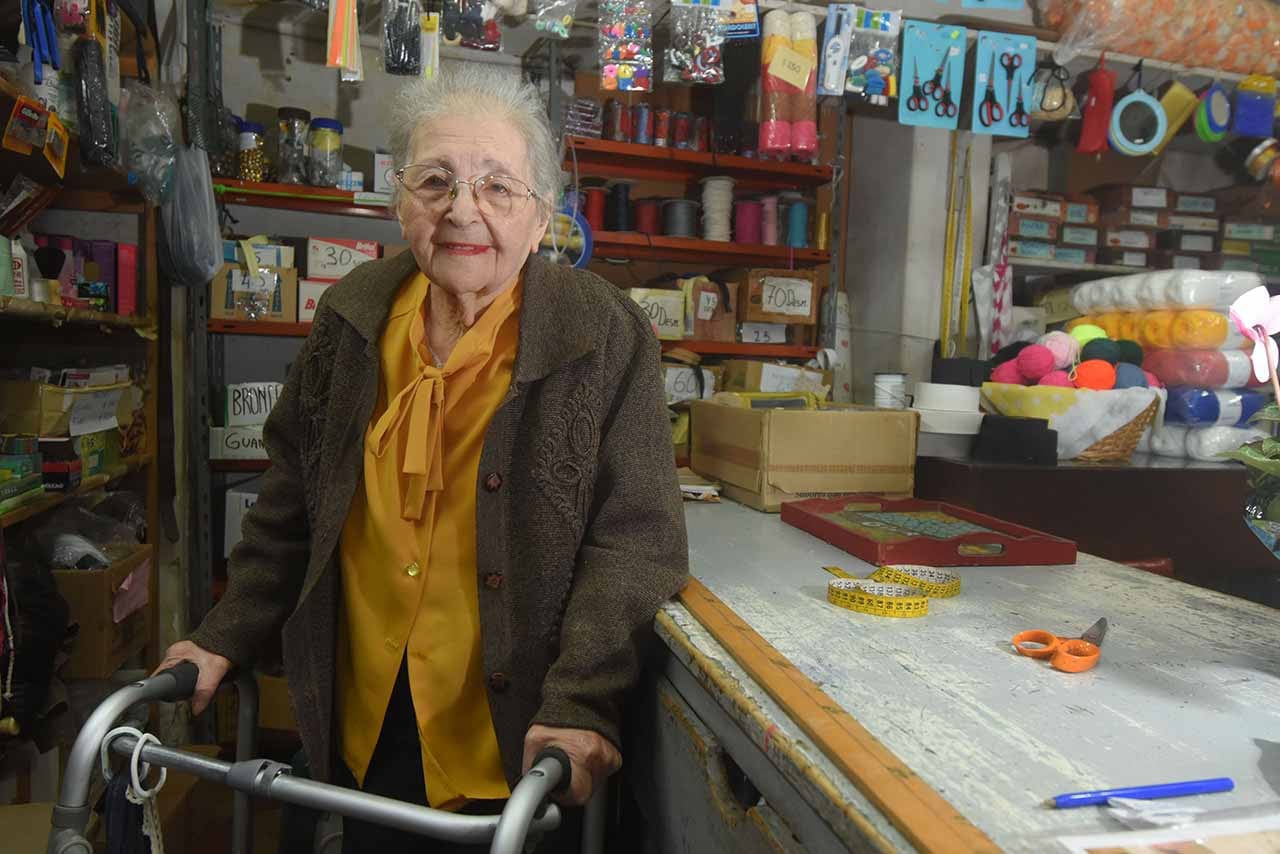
pixel 1120 445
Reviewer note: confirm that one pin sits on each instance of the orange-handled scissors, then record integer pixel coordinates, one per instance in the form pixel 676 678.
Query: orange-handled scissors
pixel 1070 655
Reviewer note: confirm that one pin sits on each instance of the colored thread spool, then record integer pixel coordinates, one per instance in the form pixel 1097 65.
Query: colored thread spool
pixel 662 128
pixel 822 229
pixel 618 215
pixel 717 207
pixel 595 207
pixel 769 220
pixel 617 121
pixel 642 124
pixel 679 217
pixel 798 225
pixel 646 216
pixel 682 131
pixel 747 221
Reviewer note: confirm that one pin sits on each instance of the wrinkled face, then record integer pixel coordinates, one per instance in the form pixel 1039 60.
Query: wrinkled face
pixel 468 242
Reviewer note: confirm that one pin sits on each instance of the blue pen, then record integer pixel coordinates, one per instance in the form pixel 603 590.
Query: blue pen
pixel 1163 790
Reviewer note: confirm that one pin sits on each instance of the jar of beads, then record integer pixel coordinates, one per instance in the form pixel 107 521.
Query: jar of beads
pixel 291 145
pixel 253 157
pixel 324 162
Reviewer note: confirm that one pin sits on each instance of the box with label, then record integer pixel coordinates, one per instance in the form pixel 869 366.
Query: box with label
pixel 1034 203
pixel 1234 230
pixel 236 443
pixel 1135 218
pixel 1237 247
pixel 775 296
pixel 665 310
pixel 1075 254
pixel 1033 227
pixel 1193 204
pixel 39 409
pixel 1233 263
pixel 1125 196
pixel 1122 257
pixel 710 309
pixel 1032 249
pixel 1128 238
pixel 1193 222
pixel 1169 260
pixel 309 293
pixel 751 375
pixel 334 257
pixel 764 457
pixel 1078 235
pixel 270 295
pixel 681 382
pixel 108 605
pixel 237 505
pixel 249 404
pixel 384 179
pixel 265 254
pixel 764 333
pixel 1185 241
pixel 1081 209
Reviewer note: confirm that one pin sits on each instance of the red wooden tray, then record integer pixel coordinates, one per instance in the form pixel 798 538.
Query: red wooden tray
pixel 931 533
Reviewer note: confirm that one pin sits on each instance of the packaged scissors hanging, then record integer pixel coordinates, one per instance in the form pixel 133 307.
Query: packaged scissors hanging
pixel 937 50
pixel 1003 66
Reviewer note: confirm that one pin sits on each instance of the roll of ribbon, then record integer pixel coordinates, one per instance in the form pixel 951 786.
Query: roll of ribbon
pixel 947 398
pixel 769 220
pixel 679 217
pixel 1138 123
pixel 646 216
pixel 747 220
pixel 595 207
pixel 618 216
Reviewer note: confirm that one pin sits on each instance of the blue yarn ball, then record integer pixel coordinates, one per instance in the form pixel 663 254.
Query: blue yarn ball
pixel 1130 376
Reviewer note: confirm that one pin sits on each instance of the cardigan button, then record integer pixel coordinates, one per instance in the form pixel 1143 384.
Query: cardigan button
pixel 493 580
pixel 498 681
pixel 493 482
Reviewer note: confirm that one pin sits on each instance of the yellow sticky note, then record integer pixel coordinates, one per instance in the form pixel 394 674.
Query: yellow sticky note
pixel 791 67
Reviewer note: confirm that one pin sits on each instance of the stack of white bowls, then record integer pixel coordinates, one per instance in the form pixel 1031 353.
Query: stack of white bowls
pixel 949 419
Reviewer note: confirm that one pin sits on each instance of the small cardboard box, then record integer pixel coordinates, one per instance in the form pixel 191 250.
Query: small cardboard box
pixel 1078 235
pixel 383 179
pixel 1081 210
pixel 1123 195
pixel 103 644
pixel 1122 257
pixel 309 293
pixel 775 296
pixel 665 310
pixel 1194 222
pixel 236 443
pixel 764 457
pixel 1128 238
pixel 1033 227
pixel 1193 204
pixel 710 309
pixel 1032 249
pixel 249 404
pixel 1135 218
pixel 1075 254
pixel 1248 231
pixel 39 409
pixel 750 375
pixel 1034 203
pixel 1167 260
pixel 1237 247
pixel 275 289
pixel 1185 241
pixel 334 257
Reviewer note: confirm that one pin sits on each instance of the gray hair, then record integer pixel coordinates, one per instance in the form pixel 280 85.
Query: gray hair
pixel 470 88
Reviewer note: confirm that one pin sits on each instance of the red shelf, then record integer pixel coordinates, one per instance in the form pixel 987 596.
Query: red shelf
pixel 608 159
pixel 239 465
pixel 295 197
pixel 688 250
pixel 260 327
pixel 731 348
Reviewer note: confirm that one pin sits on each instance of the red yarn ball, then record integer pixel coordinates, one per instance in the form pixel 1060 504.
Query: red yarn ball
pixel 1007 373
pixel 1035 361
pixel 1096 374
pixel 1057 378
pixel 1153 381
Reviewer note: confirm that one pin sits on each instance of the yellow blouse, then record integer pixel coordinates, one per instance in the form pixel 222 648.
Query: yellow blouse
pixel 407 592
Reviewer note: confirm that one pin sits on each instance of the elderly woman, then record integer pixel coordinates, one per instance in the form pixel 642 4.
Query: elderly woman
pixel 471 515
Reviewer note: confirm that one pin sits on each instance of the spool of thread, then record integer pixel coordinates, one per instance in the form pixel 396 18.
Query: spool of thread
pixel 798 225
pixel 618 215
pixel 1064 348
pixel 646 216
pixel 891 391
pixel 642 124
pixel 769 220
pixel 821 230
pixel 717 207
pixel 679 217
pixel 747 221
pixel 595 207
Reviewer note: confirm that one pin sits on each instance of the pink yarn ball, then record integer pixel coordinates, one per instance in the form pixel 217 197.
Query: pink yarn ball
pixel 1153 381
pixel 1057 378
pixel 1007 373
pixel 1035 361
pixel 1064 348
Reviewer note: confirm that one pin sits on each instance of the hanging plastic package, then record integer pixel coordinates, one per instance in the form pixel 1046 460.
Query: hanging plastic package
pixel 1098 103
pixel 473 24
pixel 1255 106
pixel 93 115
pixel 835 49
pixel 1051 98
pixel 555 17
pixel 1138 122
pixel 695 52
pixel 151 127
pixel 402 37
pixel 872 71
pixel 191 251
pixel 626 46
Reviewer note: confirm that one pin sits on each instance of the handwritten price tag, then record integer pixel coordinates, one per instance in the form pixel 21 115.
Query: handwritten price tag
pixel 792 297
pixel 682 384
pixel 707 302
pixel 763 333
pixel 791 67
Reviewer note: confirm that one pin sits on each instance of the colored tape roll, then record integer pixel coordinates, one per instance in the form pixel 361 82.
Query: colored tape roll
pixel 876 598
pixel 1138 123
pixel 1179 105
pixel 933 582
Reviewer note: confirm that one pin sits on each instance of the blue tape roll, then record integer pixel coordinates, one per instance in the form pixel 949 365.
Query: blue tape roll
pixel 1122 143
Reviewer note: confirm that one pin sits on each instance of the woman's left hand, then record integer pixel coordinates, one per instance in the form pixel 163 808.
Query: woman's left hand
pixel 592 756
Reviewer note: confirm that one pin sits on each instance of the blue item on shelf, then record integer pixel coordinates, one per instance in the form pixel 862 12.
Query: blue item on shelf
pixel 1202 407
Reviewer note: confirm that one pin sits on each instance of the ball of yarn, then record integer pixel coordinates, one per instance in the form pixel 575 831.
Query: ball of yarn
pixel 1153 381
pixel 1035 361
pixel 1100 348
pixel 1007 373
pixel 1064 348
pixel 1009 352
pixel 1057 378
pixel 1130 352
pixel 1095 374
pixel 1130 376
pixel 1086 332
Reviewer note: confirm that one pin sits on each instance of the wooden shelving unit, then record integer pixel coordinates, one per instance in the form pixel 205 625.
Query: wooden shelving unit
pixel 607 159
pixel 688 250
pixel 13 307
pixel 296 197
pixel 259 327
pixel 732 348
pixel 50 500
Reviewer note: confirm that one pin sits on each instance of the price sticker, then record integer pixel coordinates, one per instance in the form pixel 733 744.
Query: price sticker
pixel 791 67
pixel 763 333
pixel 707 302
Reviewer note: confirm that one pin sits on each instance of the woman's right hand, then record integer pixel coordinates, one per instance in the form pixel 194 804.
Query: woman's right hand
pixel 213 668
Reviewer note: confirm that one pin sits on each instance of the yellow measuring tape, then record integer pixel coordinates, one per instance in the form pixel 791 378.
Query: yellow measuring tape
pixel 891 591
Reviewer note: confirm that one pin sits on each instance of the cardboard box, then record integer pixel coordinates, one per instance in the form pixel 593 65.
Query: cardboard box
pixel 710 309
pixel 1122 257
pixel 1234 263
pixel 39 409
pixel 1075 254
pixel 775 296
pixel 1237 247
pixel 309 293
pixel 1033 227
pixel 237 505
pixel 334 257
pixel 764 457
pixel 265 254
pixel 665 310
pixel 1232 230
pixel 1081 210
pixel 249 404
pixel 1125 196
pixel 1168 260
pixel 103 644
pixel 275 289
pixel 384 181
pixel 681 382
pixel 1135 218
pixel 1034 203
pixel 1193 204
pixel 1192 222
pixel 750 375
pixel 236 443
pixel 1078 235
pixel 1128 238
pixel 1037 249
pixel 1185 241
